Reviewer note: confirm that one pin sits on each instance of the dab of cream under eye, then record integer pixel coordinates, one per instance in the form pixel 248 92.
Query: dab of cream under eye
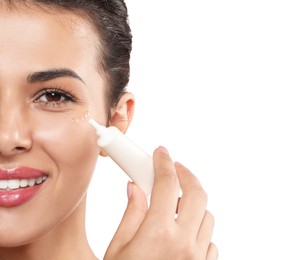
pixel 84 116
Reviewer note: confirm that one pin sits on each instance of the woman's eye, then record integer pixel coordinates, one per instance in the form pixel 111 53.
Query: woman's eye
pixel 54 98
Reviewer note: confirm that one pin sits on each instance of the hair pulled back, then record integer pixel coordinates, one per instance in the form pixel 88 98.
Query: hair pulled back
pixel 110 18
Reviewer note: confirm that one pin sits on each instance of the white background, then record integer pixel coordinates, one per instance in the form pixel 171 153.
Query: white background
pixel 215 83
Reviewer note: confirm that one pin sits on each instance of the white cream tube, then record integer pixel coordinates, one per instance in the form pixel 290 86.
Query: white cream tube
pixel 135 162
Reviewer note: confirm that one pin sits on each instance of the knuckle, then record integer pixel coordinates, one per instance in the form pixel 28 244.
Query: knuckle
pixel 187 252
pixel 165 234
pixel 175 248
pixel 139 210
pixel 168 177
pixel 162 232
pixel 136 208
pixel 209 217
pixel 199 195
pixel 208 223
pixel 203 195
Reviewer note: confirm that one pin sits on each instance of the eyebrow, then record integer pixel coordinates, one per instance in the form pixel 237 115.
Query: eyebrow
pixel 42 76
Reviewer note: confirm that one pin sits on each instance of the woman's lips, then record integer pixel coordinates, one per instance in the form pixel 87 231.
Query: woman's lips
pixel 19 185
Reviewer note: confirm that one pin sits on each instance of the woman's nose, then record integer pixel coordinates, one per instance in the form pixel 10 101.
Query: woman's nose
pixel 15 136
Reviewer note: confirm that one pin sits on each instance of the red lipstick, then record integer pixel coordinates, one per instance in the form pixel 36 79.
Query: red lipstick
pixel 19 185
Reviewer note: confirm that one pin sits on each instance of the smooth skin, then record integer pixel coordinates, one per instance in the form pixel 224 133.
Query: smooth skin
pixel 54 137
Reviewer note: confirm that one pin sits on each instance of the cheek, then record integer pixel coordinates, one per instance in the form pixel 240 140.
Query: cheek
pixel 71 145
pixel 69 151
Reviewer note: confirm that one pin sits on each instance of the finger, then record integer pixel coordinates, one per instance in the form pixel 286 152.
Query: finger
pixel 212 252
pixel 205 232
pixel 165 190
pixel 133 217
pixel 192 205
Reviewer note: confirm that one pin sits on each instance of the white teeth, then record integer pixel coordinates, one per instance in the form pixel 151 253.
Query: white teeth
pixel 13 184
pixel 23 183
pixel 31 182
pixel 3 184
pixel 39 180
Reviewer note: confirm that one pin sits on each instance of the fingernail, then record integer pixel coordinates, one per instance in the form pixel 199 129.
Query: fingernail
pixel 163 149
pixel 178 163
pixel 129 189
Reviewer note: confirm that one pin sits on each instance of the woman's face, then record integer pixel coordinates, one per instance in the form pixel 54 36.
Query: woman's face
pixel 49 87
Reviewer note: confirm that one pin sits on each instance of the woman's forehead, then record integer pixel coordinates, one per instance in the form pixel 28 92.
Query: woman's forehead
pixel 34 31
pixel 73 22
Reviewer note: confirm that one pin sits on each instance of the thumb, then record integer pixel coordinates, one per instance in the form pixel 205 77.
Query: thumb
pixel 133 217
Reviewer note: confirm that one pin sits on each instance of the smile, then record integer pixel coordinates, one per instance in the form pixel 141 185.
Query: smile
pixel 20 185
pixel 23 183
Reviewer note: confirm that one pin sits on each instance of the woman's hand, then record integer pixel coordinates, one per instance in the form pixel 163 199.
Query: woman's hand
pixel 158 233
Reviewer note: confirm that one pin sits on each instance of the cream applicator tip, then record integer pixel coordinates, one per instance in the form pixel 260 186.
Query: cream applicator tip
pixel 96 125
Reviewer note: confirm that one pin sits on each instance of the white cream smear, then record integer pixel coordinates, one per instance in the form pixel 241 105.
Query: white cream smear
pixel 84 116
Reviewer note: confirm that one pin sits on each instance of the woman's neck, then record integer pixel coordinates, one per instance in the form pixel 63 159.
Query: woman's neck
pixel 66 241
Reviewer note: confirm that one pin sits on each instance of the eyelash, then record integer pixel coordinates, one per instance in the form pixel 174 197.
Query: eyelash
pixel 64 95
